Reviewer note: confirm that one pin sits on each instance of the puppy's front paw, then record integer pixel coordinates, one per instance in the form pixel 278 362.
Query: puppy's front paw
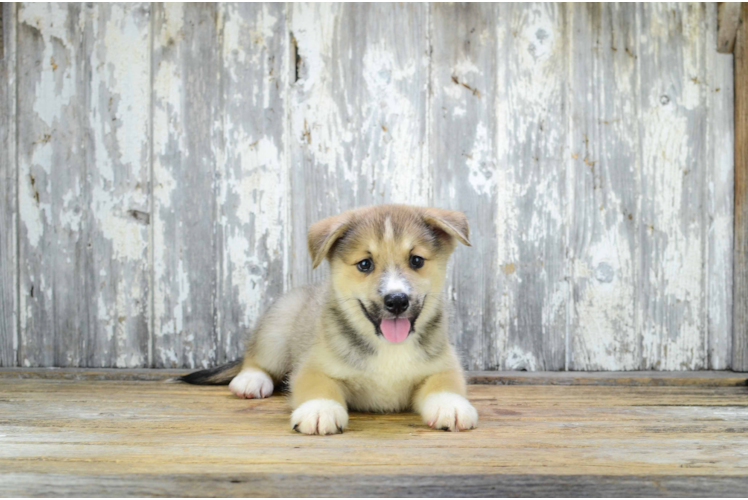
pixel 449 412
pixel 251 383
pixel 319 416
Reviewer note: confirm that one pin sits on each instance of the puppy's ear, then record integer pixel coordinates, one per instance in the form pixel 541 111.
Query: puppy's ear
pixel 323 235
pixel 453 223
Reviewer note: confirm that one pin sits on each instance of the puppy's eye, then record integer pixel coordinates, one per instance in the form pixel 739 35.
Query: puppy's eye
pixel 365 266
pixel 416 262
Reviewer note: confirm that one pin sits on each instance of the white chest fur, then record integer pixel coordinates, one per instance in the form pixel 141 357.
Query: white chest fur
pixel 390 376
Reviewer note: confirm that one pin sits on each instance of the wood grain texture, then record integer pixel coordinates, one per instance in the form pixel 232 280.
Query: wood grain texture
pixel 533 60
pixel 463 146
pixel 606 183
pixel 117 171
pixel 186 93
pixel 76 432
pixel 253 217
pixel 358 116
pixel 740 293
pixel 220 192
pixel 673 203
pixel 83 184
pixel 728 21
pixel 52 240
pixel 720 171
pixel 248 484
pixel 8 188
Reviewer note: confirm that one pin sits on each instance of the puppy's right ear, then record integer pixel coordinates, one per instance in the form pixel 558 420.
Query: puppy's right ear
pixel 450 222
pixel 323 235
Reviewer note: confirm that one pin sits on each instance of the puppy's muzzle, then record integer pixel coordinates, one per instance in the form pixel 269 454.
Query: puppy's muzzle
pixel 396 303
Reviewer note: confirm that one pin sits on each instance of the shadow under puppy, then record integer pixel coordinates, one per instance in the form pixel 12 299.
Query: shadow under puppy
pixel 371 338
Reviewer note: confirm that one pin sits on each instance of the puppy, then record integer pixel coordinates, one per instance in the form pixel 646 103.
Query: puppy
pixel 374 336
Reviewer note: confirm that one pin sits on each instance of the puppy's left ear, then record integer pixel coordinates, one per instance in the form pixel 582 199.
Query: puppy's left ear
pixel 323 235
pixel 453 223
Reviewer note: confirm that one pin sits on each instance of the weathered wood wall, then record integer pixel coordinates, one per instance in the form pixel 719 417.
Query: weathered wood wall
pixel 162 162
pixel 740 282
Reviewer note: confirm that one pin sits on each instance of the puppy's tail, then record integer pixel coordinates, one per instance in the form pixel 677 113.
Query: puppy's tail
pixel 220 375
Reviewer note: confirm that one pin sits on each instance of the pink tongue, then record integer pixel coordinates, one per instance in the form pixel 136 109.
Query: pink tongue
pixel 395 330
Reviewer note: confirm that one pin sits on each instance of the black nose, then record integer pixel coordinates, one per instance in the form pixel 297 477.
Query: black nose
pixel 396 302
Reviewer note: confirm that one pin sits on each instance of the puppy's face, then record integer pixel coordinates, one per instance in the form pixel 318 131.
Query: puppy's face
pixel 388 264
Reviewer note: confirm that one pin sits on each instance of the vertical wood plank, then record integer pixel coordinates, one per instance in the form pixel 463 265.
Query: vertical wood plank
pixel 358 113
pixel 8 188
pixel 463 148
pixel 740 294
pixel 186 124
pixel 84 169
pixel 53 240
pixel 728 21
pixel 604 160
pixel 117 180
pixel 672 116
pixel 252 200
pixel 532 193
pixel 720 168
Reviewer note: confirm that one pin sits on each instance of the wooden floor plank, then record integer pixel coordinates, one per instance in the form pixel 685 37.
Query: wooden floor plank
pixel 152 438
pixel 289 485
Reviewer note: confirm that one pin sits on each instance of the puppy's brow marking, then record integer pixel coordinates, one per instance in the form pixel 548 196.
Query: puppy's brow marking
pixel 389 232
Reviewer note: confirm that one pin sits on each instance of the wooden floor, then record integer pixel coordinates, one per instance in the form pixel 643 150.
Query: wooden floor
pixel 150 438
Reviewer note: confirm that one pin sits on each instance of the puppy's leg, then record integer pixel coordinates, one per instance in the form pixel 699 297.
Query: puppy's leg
pixel 442 404
pixel 318 402
pixel 252 382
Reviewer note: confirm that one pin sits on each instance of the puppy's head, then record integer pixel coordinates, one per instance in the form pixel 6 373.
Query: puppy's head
pixel 386 261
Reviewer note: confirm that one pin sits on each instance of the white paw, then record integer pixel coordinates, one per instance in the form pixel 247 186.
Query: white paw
pixel 449 411
pixel 251 383
pixel 320 416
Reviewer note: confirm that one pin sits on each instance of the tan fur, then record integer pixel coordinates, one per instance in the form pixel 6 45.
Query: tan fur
pixel 321 338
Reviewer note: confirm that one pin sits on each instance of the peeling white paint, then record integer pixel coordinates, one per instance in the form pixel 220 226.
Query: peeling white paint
pixel 358 122
pixel 173 21
pixel 31 212
pixel 481 163
pixel 248 275
pixel 55 89
pixel 239 34
pixel 260 191
pixel 518 359
pixel 128 62
pixel 604 308
pixel 389 106
pixel 71 215
pixel 128 238
pixel 325 125
pixel 320 126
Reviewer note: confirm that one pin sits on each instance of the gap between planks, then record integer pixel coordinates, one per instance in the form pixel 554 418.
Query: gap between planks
pixel 633 378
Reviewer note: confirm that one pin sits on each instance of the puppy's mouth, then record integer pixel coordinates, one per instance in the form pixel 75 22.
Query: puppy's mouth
pixel 394 330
